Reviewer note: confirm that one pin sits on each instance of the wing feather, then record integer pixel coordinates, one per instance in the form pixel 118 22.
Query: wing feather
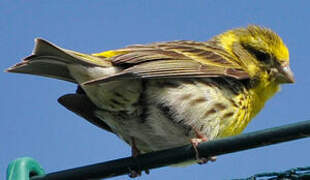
pixel 176 59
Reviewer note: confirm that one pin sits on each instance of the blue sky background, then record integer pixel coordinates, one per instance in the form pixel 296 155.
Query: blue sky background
pixel 32 123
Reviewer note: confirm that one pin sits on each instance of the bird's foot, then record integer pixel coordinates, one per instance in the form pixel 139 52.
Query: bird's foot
pixel 195 142
pixel 134 174
pixel 134 153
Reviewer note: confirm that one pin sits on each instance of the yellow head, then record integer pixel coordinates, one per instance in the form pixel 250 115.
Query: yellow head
pixel 260 51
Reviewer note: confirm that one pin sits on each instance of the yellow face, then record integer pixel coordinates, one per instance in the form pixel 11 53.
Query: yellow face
pixel 266 41
pixel 265 49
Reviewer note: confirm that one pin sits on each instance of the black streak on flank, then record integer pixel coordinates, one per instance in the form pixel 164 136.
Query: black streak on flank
pixel 116 102
pixel 169 114
pixel 220 106
pixel 169 84
pixel 209 112
pixel 117 94
pixel 228 115
pixel 198 100
pixel 143 102
pixel 233 103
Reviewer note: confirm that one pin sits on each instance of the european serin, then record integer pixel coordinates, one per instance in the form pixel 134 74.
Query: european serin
pixel 167 94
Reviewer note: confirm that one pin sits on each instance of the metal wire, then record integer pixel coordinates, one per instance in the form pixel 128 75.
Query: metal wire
pixel 184 153
pixel 300 173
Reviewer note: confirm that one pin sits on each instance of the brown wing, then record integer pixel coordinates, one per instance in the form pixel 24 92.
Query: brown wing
pixel 177 59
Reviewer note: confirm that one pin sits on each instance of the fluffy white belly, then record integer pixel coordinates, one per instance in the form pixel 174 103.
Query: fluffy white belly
pixel 152 135
pixel 163 118
pixel 156 114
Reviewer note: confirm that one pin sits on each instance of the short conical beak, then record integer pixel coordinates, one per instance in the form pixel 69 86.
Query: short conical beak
pixel 287 75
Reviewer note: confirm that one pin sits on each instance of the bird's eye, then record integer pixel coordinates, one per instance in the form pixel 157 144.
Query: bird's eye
pixel 260 55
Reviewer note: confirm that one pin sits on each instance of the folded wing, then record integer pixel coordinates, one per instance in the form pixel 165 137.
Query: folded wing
pixel 177 59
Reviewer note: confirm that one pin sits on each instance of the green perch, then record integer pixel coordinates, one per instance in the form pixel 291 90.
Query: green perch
pixel 23 169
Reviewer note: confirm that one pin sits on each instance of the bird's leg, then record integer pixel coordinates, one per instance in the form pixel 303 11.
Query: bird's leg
pixel 195 142
pixel 134 153
pixel 134 150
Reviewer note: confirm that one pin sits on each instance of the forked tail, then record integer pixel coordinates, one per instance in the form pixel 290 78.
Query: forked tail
pixel 52 61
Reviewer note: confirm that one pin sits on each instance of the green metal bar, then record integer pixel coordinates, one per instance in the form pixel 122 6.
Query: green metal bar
pixel 23 169
pixel 184 153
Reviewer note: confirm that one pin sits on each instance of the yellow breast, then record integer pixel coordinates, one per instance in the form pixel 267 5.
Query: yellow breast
pixel 250 103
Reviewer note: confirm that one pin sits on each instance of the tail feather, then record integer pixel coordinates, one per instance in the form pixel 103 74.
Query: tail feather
pixel 46 66
pixel 51 61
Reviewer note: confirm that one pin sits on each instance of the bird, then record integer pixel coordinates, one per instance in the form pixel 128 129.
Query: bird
pixel 166 94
